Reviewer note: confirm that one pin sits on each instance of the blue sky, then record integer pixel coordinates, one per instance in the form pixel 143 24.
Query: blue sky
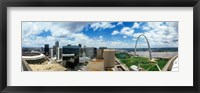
pixel 97 34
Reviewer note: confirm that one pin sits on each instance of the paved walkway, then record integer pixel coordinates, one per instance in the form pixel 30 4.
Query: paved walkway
pixel 175 65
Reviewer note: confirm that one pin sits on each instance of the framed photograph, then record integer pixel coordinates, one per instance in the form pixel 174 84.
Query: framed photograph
pixel 105 46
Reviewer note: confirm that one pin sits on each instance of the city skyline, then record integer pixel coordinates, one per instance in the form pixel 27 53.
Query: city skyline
pixel 98 34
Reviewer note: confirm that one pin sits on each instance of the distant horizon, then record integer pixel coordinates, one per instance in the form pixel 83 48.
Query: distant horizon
pixel 97 34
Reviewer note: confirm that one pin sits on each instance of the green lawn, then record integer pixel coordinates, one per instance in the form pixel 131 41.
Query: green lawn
pixel 154 68
pixel 162 62
pixel 143 61
pixel 145 66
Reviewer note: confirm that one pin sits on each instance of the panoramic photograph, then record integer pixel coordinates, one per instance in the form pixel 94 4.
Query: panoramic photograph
pixel 99 46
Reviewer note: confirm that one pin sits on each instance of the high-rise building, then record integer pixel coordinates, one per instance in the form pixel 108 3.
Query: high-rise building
pixel 46 49
pixel 54 50
pixel 60 53
pixel 70 54
pixel 91 52
pixel 81 51
pixel 79 45
pixel 57 50
pixel 57 44
pixel 57 53
pixel 51 51
pixel 109 58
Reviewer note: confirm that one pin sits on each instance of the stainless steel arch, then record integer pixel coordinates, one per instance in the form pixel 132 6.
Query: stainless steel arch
pixel 147 44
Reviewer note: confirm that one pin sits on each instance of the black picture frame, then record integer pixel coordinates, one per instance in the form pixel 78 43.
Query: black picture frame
pixel 100 3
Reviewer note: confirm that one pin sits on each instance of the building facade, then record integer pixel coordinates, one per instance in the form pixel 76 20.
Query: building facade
pixel 102 51
pixel 46 49
pixel 109 58
pixel 70 55
pixel 91 52
pixel 57 50
pixel 51 52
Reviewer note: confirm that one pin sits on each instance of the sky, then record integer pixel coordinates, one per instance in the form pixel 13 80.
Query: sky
pixel 100 34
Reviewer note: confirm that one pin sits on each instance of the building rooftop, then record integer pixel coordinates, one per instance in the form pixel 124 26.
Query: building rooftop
pixel 71 47
pixel 32 56
pixel 90 47
pixel 109 50
pixel 97 65
pixel 47 67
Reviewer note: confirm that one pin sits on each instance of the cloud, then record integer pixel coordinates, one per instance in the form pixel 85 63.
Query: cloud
pixel 136 25
pixel 64 33
pixel 120 23
pixel 101 25
pixel 32 28
pixel 58 30
pixel 124 36
pixel 173 24
pixel 100 37
pixel 115 32
pixel 161 34
pixel 127 31
pixel 72 26
pixel 124 31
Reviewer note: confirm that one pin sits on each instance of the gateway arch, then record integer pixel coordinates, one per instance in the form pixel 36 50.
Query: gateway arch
pixel 150 56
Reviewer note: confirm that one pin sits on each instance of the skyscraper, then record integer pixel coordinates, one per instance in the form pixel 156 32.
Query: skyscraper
pixel 81 51
pixel 46 49
pixel 91 52
pixel 79 45
pixel 60 57
pixel 57 44
pixel 57 53
pixel 57 50
pixel 51 52
pixel 54 50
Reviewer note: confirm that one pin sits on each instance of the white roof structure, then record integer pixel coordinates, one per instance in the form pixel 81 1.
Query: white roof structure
pixel 67 55
pixel 134 68
pixel 34 57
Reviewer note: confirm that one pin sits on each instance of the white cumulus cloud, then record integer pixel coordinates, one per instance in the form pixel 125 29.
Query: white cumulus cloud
pixel 120 23
pixel 58 30
pixel 127 31
pixel 124 36
pixel 136 25
pixel 160 35
pixel 115 32
pixel 101 25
